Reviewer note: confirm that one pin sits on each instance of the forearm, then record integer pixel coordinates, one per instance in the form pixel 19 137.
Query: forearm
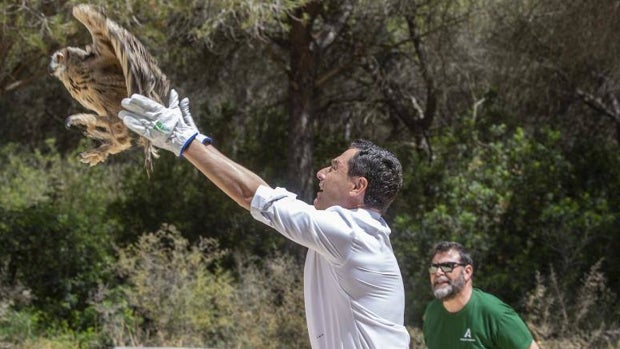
pixel 173 128
pixel 236 181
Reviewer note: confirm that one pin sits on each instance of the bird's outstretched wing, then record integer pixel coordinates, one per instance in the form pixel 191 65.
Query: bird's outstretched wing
pixel 142 74
pixel 114 66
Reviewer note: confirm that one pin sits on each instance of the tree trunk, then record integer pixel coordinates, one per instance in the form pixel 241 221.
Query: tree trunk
pixel 304 59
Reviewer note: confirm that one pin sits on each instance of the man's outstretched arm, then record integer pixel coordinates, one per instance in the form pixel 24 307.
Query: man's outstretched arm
pixel 236 181
pixel 173 128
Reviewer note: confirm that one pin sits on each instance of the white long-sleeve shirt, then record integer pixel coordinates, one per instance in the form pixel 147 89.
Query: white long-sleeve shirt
pixel 353 289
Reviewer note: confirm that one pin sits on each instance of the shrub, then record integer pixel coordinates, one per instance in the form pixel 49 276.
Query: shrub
pixel 173 294
pixel 565 318
pixel 270 304
pixel 55 237
pixel 176 294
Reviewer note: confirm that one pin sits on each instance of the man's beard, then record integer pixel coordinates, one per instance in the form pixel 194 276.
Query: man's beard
pixel 450 290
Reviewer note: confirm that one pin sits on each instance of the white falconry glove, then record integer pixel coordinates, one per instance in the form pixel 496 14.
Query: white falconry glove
pixel 168 128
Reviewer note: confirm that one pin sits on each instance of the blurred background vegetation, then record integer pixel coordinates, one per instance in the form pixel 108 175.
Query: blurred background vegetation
pixel 504 113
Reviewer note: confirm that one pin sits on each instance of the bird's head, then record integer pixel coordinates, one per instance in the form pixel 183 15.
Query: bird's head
pixel 65 58
pixel 56 66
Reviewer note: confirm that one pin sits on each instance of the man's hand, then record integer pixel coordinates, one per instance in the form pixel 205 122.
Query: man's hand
pixel 167 128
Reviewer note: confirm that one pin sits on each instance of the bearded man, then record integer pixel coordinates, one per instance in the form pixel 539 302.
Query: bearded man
pixel 462 316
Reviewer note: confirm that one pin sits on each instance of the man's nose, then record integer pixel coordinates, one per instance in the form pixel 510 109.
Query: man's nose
pixel 321 174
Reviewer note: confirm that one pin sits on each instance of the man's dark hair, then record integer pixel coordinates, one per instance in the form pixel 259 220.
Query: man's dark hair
pixel 445 246
pixel 382 170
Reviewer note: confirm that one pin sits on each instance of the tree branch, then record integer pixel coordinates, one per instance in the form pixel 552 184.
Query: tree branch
pixel 597 104
pixel 333 28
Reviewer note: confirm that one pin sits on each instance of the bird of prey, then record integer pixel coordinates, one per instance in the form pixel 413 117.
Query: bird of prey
pixel 116 65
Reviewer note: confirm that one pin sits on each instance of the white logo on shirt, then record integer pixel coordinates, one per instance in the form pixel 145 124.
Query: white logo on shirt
pixel 467 337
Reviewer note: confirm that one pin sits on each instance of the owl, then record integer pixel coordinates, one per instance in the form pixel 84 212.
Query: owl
pixel 100 75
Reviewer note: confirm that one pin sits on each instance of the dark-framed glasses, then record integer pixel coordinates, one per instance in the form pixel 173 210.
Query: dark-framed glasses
pixel 445 267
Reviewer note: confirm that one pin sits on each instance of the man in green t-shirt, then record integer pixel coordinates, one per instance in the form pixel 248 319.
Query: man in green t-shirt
pixel 465 317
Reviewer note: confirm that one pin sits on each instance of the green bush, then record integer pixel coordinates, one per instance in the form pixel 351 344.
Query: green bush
pixel 55 238
pixel 270 305
pixel 517 201
pixel 176 294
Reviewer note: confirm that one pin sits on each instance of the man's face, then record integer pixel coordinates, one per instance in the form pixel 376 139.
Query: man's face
pixel 335 185
pixel 446 285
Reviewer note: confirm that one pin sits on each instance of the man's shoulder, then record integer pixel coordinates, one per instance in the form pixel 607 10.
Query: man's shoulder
pixel 486 296
pixel 490 303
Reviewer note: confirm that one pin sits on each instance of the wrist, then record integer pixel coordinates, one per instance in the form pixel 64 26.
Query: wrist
pixel 204 139
pixel 187 143
pixel 198 137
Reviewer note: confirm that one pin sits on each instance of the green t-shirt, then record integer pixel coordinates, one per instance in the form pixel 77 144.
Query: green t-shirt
pixel 484 322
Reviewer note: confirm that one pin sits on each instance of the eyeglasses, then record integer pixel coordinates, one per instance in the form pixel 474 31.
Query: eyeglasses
pixel 446 267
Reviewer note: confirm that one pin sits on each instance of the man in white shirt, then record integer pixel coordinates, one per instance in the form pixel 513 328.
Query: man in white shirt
pixel 353 289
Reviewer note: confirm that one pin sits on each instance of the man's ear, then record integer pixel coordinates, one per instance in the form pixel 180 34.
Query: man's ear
pixel 469 271
pixel 360 184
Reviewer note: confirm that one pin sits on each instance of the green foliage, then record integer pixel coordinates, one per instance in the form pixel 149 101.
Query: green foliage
pixel 23 183
pixel 17 327
pixel 190 203
pixel 171 289
pixel 176 294
pixel 513 198
pixel 529 181
pixel 255 18
pixel 28 31
pixel 54 238
pixel 28 329
pixel 270 311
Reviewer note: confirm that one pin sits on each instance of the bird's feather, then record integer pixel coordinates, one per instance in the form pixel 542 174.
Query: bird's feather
pixel 99 76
